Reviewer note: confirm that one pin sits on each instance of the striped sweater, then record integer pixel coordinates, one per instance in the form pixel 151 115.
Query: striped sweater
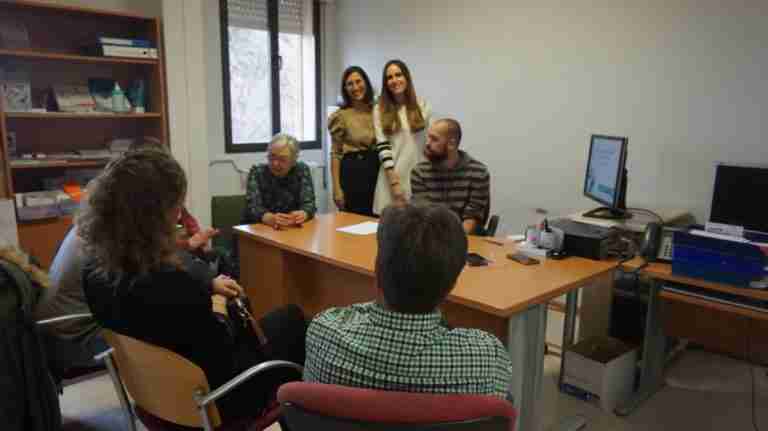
pixel 465 189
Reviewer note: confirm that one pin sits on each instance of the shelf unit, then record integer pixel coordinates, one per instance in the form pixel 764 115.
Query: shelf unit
pixel 55 57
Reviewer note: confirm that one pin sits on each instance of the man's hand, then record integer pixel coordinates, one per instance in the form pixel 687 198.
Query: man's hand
pixel 225 286
pixel 201 238
pixel 299 217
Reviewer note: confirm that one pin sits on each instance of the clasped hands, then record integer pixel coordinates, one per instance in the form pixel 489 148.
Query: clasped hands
pixel 283 220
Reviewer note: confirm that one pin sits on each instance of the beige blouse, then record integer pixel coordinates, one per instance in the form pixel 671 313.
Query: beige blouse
pixel 351 130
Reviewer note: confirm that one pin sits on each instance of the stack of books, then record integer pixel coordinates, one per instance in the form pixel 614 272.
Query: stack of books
pixel 121 47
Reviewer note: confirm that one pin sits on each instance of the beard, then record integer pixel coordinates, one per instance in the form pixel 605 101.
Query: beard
pixel 436 157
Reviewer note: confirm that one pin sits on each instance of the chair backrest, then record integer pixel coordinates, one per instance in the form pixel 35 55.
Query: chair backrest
pixel 160 381
pixel 311 406
pixel 493 224
pixel 226 211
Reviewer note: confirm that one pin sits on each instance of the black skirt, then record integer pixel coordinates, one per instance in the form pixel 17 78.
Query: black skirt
pixel 359 173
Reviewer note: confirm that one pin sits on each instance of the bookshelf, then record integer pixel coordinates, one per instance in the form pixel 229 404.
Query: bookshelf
pixel 54 56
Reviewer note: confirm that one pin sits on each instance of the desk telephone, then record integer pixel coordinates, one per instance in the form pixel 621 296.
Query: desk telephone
pixel 657 243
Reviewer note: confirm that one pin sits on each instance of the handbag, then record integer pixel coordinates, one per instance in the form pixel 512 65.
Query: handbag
pixel 245 332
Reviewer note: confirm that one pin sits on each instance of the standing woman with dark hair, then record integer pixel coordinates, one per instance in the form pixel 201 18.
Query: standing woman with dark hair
pixel 354 162
pixel 399 120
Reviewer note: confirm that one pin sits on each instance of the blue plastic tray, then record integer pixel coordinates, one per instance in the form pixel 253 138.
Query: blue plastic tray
pixel 716 260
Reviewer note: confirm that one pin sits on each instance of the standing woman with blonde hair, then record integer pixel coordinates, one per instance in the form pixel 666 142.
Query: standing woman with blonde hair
pixel 400 119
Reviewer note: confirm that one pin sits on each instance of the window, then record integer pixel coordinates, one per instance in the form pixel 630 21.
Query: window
pixel 271 68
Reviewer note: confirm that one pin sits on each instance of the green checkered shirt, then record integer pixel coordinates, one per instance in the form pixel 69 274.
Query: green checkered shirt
pixel 365 345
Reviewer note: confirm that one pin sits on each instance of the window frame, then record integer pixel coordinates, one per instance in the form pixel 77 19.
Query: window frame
pixel 273 25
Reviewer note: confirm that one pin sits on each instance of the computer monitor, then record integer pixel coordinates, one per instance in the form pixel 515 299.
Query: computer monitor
pixel 606 177
pixel 738 195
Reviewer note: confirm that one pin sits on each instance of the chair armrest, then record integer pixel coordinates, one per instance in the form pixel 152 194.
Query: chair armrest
pixel 242 378
pixel 104 354
pixel 63 318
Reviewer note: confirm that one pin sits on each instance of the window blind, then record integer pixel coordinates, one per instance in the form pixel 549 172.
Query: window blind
pixel 254 14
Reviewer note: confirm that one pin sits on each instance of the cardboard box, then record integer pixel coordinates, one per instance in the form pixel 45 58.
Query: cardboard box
pixel 600 370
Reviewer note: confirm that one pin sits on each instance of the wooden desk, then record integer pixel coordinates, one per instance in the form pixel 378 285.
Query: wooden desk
pixel 317 267
pixel 652 366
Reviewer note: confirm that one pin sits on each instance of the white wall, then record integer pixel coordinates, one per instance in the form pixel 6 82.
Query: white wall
pixel 530 80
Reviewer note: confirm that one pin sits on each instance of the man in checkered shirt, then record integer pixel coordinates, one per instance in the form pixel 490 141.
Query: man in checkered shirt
pixel 400 342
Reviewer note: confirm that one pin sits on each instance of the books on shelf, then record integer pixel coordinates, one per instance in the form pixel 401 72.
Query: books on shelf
pixel 121 51
pixel 16 90
pixel 73 98
pixel 120 41
pixel 95 154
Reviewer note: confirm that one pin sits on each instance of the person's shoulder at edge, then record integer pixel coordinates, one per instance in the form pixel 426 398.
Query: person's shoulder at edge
pixel 479 338
pixel 337 117
pixel 257 169
pixel 343 315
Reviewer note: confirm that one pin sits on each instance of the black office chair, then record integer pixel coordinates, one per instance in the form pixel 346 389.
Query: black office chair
pixel 490 228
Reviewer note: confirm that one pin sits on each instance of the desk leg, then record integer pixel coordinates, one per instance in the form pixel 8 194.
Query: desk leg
pixel 569 332
pixel 652 366
pixel 525 344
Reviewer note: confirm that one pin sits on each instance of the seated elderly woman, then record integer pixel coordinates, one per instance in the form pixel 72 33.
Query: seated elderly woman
pixel 140 284
pixel 280 193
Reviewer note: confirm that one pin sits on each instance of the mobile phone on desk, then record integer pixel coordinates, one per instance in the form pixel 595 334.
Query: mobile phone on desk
pixel 474 259
pixel 522 258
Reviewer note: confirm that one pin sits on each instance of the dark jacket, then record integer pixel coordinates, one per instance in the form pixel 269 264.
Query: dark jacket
pixel 171 308
pixel 30 399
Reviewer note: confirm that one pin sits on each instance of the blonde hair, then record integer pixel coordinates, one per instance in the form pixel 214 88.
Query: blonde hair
pixel 16 256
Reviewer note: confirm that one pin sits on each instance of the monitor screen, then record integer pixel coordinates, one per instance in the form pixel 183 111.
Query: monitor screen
pixel 739 195
pixel 605 167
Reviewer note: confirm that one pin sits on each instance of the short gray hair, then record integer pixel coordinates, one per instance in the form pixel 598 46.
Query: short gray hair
pixel 286 139
pixel 422 250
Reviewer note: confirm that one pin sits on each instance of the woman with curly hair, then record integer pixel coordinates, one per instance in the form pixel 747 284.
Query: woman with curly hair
pixel 140 284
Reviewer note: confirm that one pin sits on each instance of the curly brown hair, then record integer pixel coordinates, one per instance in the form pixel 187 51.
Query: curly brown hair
pixel 127 222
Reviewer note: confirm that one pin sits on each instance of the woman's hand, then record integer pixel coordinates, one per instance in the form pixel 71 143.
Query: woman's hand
pixel 299 217
pixel 223 285
pixel 398 195
pixel 285 220
pixel 201 238
pixel 338 198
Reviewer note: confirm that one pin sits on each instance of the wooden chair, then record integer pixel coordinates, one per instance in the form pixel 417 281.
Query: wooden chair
pixel 169 391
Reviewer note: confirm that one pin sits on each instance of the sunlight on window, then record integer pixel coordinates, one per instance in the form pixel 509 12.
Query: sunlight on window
pixel 249 81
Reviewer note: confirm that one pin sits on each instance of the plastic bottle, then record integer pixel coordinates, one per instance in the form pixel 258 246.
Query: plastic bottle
pixel 118 98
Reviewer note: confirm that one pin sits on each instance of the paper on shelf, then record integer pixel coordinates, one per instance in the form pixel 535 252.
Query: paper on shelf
pixel 9 235
pixel 365 228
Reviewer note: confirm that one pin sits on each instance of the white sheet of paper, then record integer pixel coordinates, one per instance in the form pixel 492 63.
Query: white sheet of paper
pixel 9 235
pixel 364 228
